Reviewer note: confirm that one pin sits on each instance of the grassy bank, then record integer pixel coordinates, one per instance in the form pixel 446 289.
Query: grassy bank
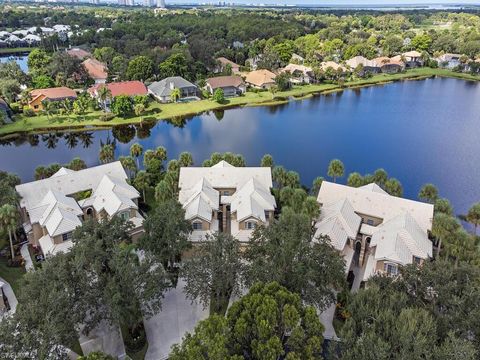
pixel 43 123
pixel 18 50
pixel 13 275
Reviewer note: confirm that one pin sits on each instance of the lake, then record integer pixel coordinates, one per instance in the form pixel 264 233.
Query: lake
pixel 20 59
pixel 418 131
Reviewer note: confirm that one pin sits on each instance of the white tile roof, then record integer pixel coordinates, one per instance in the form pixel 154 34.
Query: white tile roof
pixel 49 248
pixel 376 204
pixel 200 201
pixel 224 175
pixel 400 239
pixel 113 195
pixel 339 222
pixel 68 183
pixel 251 199
pixel 374 188
pixel 49 204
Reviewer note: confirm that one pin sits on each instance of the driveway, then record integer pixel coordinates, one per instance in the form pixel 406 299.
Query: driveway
pixel 8 291
pixel 178 316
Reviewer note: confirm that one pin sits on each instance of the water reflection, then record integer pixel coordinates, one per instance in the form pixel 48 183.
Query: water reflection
pixel 404 127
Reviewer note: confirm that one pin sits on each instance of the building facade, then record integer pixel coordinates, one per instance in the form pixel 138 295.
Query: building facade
pixel 225 198
pixel 375 232
pixel 53 208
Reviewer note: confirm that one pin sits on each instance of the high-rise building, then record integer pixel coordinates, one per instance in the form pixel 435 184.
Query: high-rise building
pixel 161 3
pixel 149 3
pixel 130 3
pixel 122 2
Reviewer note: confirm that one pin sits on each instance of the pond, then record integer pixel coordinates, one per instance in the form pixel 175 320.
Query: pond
pixel 20 59
pixel 418 131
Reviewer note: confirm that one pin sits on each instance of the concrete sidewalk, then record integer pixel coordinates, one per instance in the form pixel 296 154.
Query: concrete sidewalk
pixel 177 317
pixel 8 291
pixel 26 256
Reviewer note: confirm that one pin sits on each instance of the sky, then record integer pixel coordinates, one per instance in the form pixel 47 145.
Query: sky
pixel 335 2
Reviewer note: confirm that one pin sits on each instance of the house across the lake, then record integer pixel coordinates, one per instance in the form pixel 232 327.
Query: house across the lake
pixel 38 96
pixel 449 61
pixel 96 70
pixel 375 232
pixel 367 66
pixel 226 198
pixel 127 88
pixel 224 63
pixel 299 74
pixel 161 90
pixel 78 53
pixel 231 85
pixel 388 65
pixel 53 208
pixel 260 79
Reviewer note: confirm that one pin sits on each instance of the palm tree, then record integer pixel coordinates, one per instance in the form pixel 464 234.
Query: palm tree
pixel 280 176
pixel 107 153
pixel 77 164
pixel 40 172
pixel 428 193
pixel 457 243
pixel 128 164
pixel 175 94
pixel 336 169
pixel 141 182
pixel 8 221
pixel 48 107
pixel 473 216
pixel 104 94
pixel 136 150
pixel 443 227
pixel 139 109
pixel 273 90
pixel 71 139
pixel 86 138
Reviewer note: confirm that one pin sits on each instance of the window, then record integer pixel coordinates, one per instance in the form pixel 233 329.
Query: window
pixel 417 260
pixel 250 225
pixel 390 269
pixel 67 236
pixel 35 106
pixel 125 215
pixel 370 222
pixel 226 193
pixel 267 215
pixel 197 225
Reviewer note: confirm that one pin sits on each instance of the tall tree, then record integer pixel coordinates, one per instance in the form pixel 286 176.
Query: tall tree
pixel 267 161
pixel 185 159
pixel 9 222
pixel 473 216
pixel 268 323
pixel 213 273
pixel 284 252
pixel 443 227
pixel 107 153
pixel 136 150
pixel 429 193
pixel 336 169
pixel 142 182
pixel 167 233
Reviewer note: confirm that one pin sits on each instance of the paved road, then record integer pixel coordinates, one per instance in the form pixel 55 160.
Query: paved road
pixel 167 328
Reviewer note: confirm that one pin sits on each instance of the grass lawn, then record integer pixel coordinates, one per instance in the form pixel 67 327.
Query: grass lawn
pixel 43 123
pixel 16 50
pixel 13 275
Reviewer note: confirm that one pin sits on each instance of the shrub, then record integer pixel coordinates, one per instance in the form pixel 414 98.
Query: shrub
pixel 15 107
pixel 28 112
pixel 107 117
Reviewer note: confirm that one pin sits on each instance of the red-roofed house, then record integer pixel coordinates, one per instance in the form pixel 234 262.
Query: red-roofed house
pixel 96 70
pixel 51 94
pixel 129 88
pixel 78 53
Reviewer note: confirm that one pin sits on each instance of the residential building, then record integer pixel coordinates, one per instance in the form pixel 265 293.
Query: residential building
pixel 53 208
pixel 410 58
pixel 128 88
pixel 375 232
pixel 299 74
pixel 261 79
pixel 226 198
pixel 38 96
pixel 297 59
pixel 368 66
pixel 449 61
pixel 389 66
pixel 222 65
pixel 79 53
pixel 162 89
pixel 332 65
pixel 96 70
pixel 231 85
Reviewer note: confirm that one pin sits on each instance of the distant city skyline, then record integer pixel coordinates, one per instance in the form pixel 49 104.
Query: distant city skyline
pixel 334 2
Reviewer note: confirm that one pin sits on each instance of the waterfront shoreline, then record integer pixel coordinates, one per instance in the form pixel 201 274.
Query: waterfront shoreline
pixel 166 112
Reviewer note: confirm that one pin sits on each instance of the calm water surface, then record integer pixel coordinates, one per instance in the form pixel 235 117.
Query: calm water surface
pixel 419 131
pixel 21 60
